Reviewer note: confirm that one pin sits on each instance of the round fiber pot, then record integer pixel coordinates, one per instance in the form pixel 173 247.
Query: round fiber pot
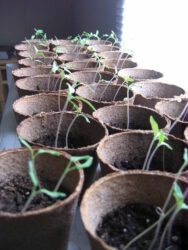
pixel 81 65
pixel 28 106
pixel 83 137
pixel 42 61
pixel 73 57
pixel 68 49
pixel 115 118
pixel 139 74
pixel 60 42
pixel 101 95
pixel 115 55
pixel 149 93
pixel 172 109
pixel 28 47
pixel 40 84
pixel 112 64
pixel 186 134
pixel 98 42
pixel 127 151
pixel 29 54
pixel 101 47
pixel 30 71
pixel 90 77
pixel 120 189
pixel 43 228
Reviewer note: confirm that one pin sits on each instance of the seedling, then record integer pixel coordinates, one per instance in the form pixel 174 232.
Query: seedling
pixel 39 34
pixel 128 82
pixel 160 138
pixel 70 99
pixel 173 211
pixel 112 37
pixel 37 189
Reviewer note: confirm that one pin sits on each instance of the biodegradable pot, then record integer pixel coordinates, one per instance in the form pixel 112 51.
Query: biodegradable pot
pixel 114 55
pixel 46 228
pixel 40 84
pixel 81 65
pixel 91 77
pixel 98 42
pixel 69 49
pixel 139 74
pixel 42 61
pixel 101 47
pixel 29 54
pixel 112 64
pixel 73 57
pixel 172 109
pixel 29 47
pixel 119 189
pixel 30 71
pixel 132 146
pixel 28 106
pixel 101 95
pixel 186 134
pixel 149 93
pixel 37 127
pixel 60 42
pixel 115 118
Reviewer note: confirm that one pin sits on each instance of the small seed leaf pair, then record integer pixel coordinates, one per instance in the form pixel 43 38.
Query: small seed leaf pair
pixel 179 197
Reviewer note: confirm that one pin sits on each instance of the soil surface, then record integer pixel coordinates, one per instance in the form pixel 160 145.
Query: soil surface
pixel 15 192
pixel 73 142
pixel 138 164
pixel 120 226
pixel 131 126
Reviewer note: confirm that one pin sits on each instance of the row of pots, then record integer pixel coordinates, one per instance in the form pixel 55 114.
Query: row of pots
pixel 109 192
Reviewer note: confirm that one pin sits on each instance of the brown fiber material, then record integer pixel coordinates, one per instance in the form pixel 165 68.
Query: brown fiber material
pixel 33 128
pixel 90 64
pixel 28 106
pixel 172 109
pixel 186 134
pixel 28 47
pixel 41 61
pixel 100 48
pixel 149 93
pixel 39 84
pixel 98 42
pixel 131 145
pixel 30 71
pixel 29 54
pixel 112 64
pixel 47 228
pixel 114 55
pixel 68 49
pixel 73 57
pixel 119 189
pixel 139 117
pixel 139 74
pixel 94 92
pixel 90 77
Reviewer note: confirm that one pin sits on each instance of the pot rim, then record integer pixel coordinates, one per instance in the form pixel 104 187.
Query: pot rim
pixel 101 182
pixel 133 132
pixel 168 122
pixel 55 205
pixel 69 150
pixel 106 102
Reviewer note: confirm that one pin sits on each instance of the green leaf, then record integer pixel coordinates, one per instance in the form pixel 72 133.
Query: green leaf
pixel 32 174
pixel 86 164
pixel 85 101
pixel 85 117
pixel 50 152
pixel 166 145
pixel 55 67
pixel 52 194
pixel 129 80
pixel 75 106
pixel 70 89
pixel 161 137
pixel 185 155
pixel 154 126
pixel 179 197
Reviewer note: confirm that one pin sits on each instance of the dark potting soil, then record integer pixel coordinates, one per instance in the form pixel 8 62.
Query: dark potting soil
pixel 73 142
pixel 15 192
pixel 138 164
pixel 119 227
pixel 131 126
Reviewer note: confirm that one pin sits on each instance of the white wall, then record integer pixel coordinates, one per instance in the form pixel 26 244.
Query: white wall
pixel 157 32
